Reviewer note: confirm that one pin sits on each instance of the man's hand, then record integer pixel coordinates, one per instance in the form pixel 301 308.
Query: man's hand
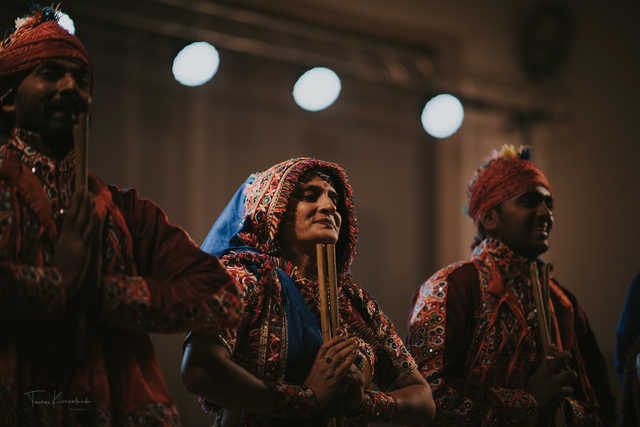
pixel 76 245
pixel 552 382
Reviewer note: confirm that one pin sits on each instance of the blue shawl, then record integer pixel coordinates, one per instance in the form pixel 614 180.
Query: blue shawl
pixel 304 335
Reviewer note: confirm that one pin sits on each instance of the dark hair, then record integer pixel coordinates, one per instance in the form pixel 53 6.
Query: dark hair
pixel 8 88
pixel 6 120
pixel 481 233
pixel 323 173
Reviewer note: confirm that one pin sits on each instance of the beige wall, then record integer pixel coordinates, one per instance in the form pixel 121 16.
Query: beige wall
pixel 189 148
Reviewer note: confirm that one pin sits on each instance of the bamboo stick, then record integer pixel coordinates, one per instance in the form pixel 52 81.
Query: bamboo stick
pixel 542 296
pixel 333 288
pixel 322 285
pixel 329 320
pixel 81 148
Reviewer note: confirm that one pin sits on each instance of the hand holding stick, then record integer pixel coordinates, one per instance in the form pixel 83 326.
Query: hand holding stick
pixel 542 297
pixel 328 289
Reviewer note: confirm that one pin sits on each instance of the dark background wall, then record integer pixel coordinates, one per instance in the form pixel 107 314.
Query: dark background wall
pixel 189 148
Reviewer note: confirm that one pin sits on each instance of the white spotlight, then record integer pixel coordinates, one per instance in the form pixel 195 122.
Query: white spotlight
pixel 442 116
pixel 317 89
pixel 66 22
pixel 196 64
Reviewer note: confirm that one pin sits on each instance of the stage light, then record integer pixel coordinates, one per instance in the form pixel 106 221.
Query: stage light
pixel 442 116
pixel 196 64
pixel 66 22
pixel 317 89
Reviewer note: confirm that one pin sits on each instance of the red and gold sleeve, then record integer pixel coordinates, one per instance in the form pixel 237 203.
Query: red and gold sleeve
pixel 178 287
pixel 35 290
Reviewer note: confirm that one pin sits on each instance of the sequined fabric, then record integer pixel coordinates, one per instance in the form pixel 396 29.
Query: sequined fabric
pixel 473 332
pixel 154 279
pixel 260 344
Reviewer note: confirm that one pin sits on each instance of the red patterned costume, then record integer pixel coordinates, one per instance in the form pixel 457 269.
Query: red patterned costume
pixel 260 344
pixel 475 341
pixel 153 279
pixel 473 327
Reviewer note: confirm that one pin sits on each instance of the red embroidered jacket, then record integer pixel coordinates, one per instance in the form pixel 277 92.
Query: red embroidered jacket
pixel 473 332
pixel 154 279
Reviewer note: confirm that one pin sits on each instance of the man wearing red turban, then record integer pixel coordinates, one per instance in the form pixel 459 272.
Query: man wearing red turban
pixel 103 257
pixel 473 328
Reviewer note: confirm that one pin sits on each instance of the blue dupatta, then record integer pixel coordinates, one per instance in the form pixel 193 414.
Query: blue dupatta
pixel 304 335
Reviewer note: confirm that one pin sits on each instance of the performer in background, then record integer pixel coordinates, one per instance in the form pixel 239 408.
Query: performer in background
pixel 628 355
pixel 473 328
pixel 104 255
pixel 273 370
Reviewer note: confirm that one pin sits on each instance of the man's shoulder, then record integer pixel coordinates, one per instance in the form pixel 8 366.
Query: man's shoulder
pixel 460 278
pixel 130 198
pixel 458 272
pixel 11 171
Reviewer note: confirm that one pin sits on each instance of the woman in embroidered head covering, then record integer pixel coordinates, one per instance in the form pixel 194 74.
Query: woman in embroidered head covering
pixel 274 369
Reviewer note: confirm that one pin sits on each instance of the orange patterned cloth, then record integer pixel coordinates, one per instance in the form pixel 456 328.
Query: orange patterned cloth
pixel 473 332
pixel 507 174
pixel 38 38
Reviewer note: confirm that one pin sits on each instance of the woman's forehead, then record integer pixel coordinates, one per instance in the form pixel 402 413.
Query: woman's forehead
pixel 317 181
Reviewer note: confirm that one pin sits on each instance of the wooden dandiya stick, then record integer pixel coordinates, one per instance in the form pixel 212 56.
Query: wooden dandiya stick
pixel 328 290
pixel 542 295
pixel 328 284
pixel 333 288
pixel 325 323
pixel 81 148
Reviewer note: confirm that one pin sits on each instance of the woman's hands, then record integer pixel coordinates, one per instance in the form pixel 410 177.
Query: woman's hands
pixel 331 366
pixel 354 383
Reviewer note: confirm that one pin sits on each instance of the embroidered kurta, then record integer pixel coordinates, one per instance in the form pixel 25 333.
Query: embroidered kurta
pixel 473 332
pixel 154 279
pixel 261 344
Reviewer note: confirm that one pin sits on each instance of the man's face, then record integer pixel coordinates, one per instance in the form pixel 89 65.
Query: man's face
pixel 316 218
pixel 51 97
pixel 525 221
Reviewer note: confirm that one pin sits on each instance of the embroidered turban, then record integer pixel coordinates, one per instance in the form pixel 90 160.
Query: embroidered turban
pixel 507 174
pixel 37 38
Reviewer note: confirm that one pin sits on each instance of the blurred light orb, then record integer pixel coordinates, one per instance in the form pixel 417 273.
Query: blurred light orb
pixel 317 89
pixel 66 22
pixel 196 64
pixel 442 116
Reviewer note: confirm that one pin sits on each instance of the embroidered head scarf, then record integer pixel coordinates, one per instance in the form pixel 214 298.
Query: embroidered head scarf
pixel 253 217
pixel 247 232
pixel 37 38
pixel 506 174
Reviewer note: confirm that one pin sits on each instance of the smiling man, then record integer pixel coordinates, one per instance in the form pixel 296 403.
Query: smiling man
pixel 104 257
pixel 473 327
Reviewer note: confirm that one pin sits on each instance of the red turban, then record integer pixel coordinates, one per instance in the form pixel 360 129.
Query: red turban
pixel 36 39
pixel 507 174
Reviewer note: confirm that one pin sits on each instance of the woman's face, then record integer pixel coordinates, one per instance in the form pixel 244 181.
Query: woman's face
pixel 315 216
